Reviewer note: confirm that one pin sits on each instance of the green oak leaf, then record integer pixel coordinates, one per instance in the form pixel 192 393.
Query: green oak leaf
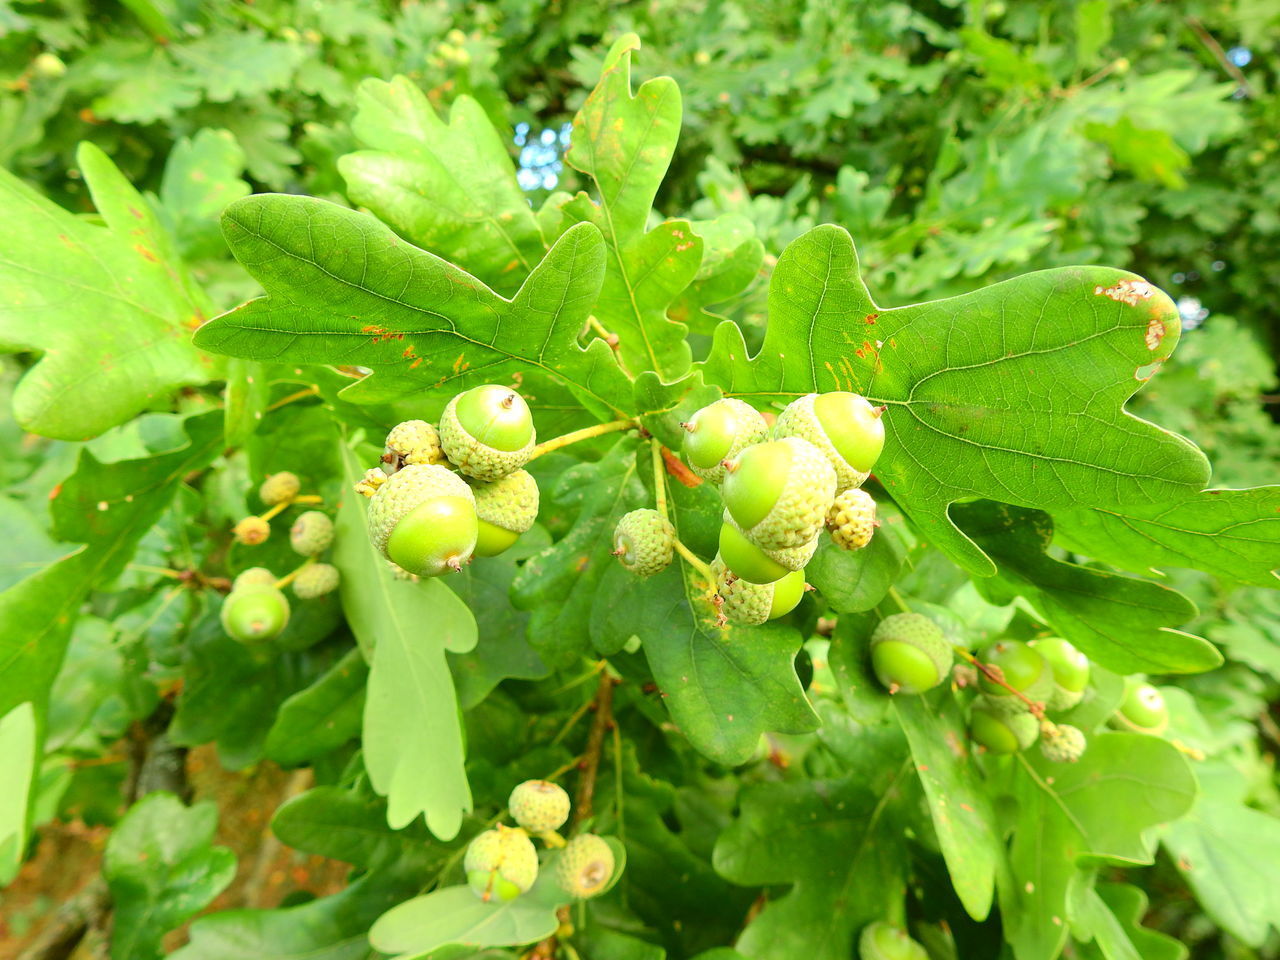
pixel 201 176
pixel 161 867
pixel 732 257
pixel 625 142
pixel 17 766
pixel 1123 623
pixel 343 288
pixel 1012 393
pixel 852 581
pixel 341 825
pixel 110 308
pixel 445 187
pixel 241 63
pixel 321 717
pixel 1109 916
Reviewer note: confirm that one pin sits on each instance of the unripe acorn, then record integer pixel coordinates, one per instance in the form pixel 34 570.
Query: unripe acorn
pixel 251 531
pixel 487 432
pixel 424 519
pixel 49 66
pixel 779 492
pixel 505 508
pixel 279 487
pixel 254 613
pixel 852 519
pixel 539 806
pixel 755 564
pixel 999 730
pixel 644 542
pixel 1023 668
pixel 254 577
pixel 311 534
pixel 884 941
pixel 844 426
pixel 910 653
pixel 1065 744
pixel 413 442
pixel 1142 710
pixel 501 864
pixel 750 604
pixel 316 580
pixel 1070 671
pixel 718 432
pixel 585 866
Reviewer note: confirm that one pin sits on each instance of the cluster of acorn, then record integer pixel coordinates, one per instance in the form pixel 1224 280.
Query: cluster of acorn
pixel 443 495
pixel 781 486
pixel 256 609
pixel 910 654
pixel 502 863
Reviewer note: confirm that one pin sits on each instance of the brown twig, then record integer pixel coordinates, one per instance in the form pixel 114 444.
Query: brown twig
pixel 1214 47
pixel 996 676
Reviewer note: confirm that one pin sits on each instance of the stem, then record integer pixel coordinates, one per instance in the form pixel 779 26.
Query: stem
pixel 280 507
pixel 659 478
pixel 693 560
pixel 293 575
pixel 1214 47
pixel 586 433
pixel 162 571
pixel 996 677
pixel 311 391
pixel 897 598
pixel 595 744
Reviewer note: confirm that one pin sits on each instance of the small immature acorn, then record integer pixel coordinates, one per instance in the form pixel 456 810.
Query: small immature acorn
pixel 1142 710
pixel 315 580
pixel 999 730
pixel 750 604
pixel 644 542
pixel 251 531
pixel 1065 744
pixel 48 66
pixel 501 864
pixel 884 941
pixel 487 432
pixel 539 806
pixel 719 431
pixel 852 519
pixel 755 564
pixel 424 519
pixel 278 488
pixel 506 508
pixel 254 613
pixel 411 442
pixel 585 866
pixel 779 492
pixel 910 653
pixel 844 426
pixel 254 577
pixel 311 534
pixel 1070 671
pixel 1023 668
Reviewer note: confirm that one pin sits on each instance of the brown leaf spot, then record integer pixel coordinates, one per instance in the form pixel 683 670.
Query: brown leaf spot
pixel 1155 333
pixel 1131 292
pixel 145 253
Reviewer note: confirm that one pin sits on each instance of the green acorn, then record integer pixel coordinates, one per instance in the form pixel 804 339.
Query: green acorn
pixel 909 653
pixel 749 604
pixel 1143 709
pixel 644 542
pixel 884 941
pixel 278 488
pixel 315 580
pixel 254 613
pixel 539 806
pixel 1070 671
pixel 487 432
pixel 844 426
pixel 585 866
pixel 254 577
pixel 424 519
pixel 311 534
pixel 852 519
pixel 413 442
pixel 506 508
pixel 1065 744
pixel 48 66
pixel 1000 731
pixel 755 564
pixel 1023 668
pixel 779 492
pixel 251 531
pixel 501 864
pixel 718 432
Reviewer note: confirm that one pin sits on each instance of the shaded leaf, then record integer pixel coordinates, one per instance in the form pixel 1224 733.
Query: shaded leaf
pixel 322 717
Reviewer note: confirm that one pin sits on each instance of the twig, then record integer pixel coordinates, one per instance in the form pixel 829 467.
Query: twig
pixel 1214 47
pixel 311 391
pixel 696 562
pixel 996 676
pixel 659 478
pixel 586 433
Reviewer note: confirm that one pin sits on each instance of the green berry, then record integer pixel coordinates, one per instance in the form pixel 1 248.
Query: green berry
pixel 1070 671
pixel 539 806
pixel 779 492
pixel 1143 709
pixel 251 531
pixel 506 508
pixel 909 653
pixel 884 941
pixel 749 604
pixel 1000 731
pixel 254 613
pixel 585 866
pixel 278 488
pixel 644 542
pixel 315 580
pixel 411 442
pixel 718 432
pixel 844 426
pixel 424 519
pixel 1065 744
pixel 852 519
pixel 501 864
pixel 1023 668
pixel 311 534
pixel 754 563
pixel 254 577
pixel 487 432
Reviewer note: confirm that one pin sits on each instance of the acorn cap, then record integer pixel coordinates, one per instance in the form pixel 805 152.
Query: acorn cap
pixel 1000 731
pixel 316 580
pixel 910 653
pixel 501 864
pixel 1065 744
pixel 824 420
pixel 852 519
pixel 510 503
pixel 791 558
pixel 311 534
pixel 779 510
pixel 471 455
pixel 413 442
pixel 404 492
pixel 585 866
pixel 644 542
